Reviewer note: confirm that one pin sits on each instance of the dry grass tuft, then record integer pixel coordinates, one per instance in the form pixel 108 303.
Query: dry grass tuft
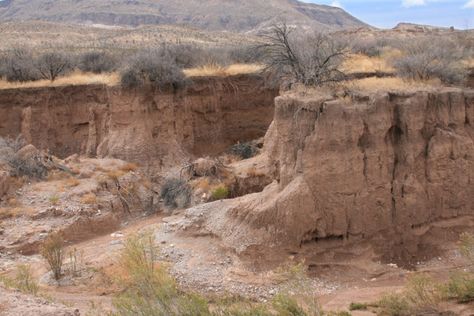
pixel 71 182
pixel 89 198
pixel 129 167
pixel 390 84
pixel 359 63
pixel 215 70
pixel 74 79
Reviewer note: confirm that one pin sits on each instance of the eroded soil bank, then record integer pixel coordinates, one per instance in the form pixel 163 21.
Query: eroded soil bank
pixel 386 176
pixel 143 125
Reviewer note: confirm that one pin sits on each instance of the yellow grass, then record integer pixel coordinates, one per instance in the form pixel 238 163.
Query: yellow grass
pixel 363 64
pixel 74 79
pixel 214 70
pixel 129 167
pixel 390 84
pixel 89 198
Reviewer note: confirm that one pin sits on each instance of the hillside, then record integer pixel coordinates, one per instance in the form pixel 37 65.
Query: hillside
pixel 229 15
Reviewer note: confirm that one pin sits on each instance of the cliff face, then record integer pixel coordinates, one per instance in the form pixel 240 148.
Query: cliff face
pixel 391 169
pixel 144 126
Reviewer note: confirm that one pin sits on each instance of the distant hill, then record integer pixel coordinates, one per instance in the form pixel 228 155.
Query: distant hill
pixel 215 15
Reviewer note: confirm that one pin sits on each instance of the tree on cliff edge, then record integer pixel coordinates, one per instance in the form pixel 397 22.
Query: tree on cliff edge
pixel 311 59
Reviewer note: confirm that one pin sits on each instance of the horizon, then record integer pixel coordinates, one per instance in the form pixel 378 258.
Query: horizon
pixel 387 14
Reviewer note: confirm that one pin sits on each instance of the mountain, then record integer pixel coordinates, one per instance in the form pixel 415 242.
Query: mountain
pixel 216 15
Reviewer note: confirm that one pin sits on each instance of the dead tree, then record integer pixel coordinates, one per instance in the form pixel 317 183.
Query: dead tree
pixel 311 59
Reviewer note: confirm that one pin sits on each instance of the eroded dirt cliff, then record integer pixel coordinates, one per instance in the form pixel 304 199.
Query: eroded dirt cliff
pixel 387 175
pixel 144 125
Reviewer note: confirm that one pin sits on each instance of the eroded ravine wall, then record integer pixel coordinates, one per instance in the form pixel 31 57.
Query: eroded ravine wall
pixel 395 169
pixel 140 125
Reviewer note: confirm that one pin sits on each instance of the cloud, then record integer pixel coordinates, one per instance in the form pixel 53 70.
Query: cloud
pixel 469 5
pixel 413 3
pixel 337 3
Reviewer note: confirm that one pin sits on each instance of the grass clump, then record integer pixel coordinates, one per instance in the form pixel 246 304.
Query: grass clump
pixel 176 193
pixel 358 307
pixel 54 200
pixel 23 280
pixel 53 252
pixel 460 288
pixel 220 193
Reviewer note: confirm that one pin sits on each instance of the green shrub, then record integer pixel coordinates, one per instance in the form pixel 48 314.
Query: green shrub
pixel 460 288
pixel 358 307
pixel 395 305
pixel 220 193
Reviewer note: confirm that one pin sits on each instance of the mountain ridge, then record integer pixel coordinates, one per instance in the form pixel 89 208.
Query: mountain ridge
pixel 215 15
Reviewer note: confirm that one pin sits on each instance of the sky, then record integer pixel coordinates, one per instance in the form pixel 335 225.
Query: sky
pixel 388 13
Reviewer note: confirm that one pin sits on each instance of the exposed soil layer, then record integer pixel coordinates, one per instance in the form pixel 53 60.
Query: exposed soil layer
pixel 385 176
pixel 144 125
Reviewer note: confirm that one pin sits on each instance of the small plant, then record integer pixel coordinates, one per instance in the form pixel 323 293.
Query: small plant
pixel 74 262
pixel 54 200
pixel 24 280
pixel 176 193
pixel 358 307
pixel 395 305
pixel 220 193
pixel 52 251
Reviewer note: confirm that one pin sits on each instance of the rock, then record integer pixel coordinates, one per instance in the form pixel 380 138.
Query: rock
pixel 27 152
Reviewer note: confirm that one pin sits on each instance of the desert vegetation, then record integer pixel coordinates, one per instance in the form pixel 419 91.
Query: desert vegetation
pixel 150 290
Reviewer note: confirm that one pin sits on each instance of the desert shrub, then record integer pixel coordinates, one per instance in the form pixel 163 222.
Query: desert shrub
pixel 53 252
pixel 154 68
pixel 96 62
pixel 176 193
pixel 220 193
pixel 149 289
pixel 24 280
pixel 313 59
pixel 430 58
pixel 52 65
pixel 244 150
pixel 32 167
pixel 394 305
pixel 358 307
pixel 460 288
pixel 369 46
pixel 18 65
